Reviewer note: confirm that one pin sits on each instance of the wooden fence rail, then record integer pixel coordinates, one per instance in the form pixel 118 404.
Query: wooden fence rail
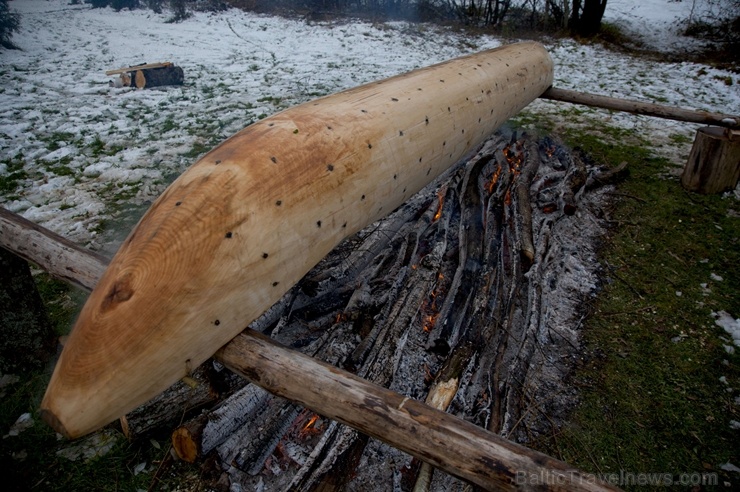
pixel 642 108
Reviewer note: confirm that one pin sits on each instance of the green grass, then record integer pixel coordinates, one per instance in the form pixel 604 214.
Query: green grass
pixel 651 396
pixel 13 175
pixel 30 460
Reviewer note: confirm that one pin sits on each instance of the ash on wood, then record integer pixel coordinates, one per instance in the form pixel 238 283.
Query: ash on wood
pixel 714 162
pixel 148 75
pixel 475 287
pixel 284 429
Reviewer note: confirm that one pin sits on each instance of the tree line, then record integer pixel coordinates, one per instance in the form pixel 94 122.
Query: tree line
pixel 719 19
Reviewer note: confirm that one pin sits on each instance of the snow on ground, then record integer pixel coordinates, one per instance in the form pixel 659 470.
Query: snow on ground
pixel 80 157
pixel 658 23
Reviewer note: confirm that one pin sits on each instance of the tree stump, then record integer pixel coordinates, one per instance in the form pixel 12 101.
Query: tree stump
pixel 714 162
pixel 26 339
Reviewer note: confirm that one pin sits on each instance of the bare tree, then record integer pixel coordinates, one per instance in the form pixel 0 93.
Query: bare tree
pixel 9 23
pixel 585 18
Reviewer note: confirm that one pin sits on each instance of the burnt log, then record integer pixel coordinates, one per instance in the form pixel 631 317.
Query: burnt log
pixel 442 279
pixel 204 388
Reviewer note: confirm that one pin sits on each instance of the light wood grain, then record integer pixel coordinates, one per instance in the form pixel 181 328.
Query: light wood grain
pixel 230 236
pixel 145 66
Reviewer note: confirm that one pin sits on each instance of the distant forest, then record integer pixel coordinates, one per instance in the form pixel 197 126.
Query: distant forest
pixel 717 20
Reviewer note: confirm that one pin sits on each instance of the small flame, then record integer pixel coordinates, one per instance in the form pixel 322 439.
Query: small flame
pixel 441 198
pixel 494 178
pixel 431 309
pixel 514 157
pixel 309 425
pixel 310 428
pixel 550 151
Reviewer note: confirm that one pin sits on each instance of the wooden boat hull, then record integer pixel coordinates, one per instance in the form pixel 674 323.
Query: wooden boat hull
pixel 241 226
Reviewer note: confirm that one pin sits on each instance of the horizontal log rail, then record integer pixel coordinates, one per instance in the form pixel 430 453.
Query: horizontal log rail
pixel 443 440
pixel 642 108
pixel 57 255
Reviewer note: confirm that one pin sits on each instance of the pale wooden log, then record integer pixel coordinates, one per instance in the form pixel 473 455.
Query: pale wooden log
pixel 138 67
pixel 643 108
pixel 430 435
pixel 229 237
pixel 714 162
pixel 60 257
pixel 446 442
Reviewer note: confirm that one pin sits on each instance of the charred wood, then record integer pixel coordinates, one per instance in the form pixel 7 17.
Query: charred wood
pixel 440 289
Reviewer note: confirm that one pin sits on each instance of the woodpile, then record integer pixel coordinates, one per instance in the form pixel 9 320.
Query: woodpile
pixel 148 75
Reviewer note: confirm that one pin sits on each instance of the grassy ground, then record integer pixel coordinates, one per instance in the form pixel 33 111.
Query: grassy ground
pixel 658 387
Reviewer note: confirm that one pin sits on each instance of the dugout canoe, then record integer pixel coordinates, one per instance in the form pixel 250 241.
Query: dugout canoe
pixel 243 224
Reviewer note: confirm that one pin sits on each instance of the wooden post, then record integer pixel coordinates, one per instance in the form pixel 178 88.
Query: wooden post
pixel 26 337
pixel 443 440
pixel 714 162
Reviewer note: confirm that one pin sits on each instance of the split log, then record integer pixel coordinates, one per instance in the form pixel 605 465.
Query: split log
pixel 232 235
pixel 714 162
pixel 469 451
pixel 642 108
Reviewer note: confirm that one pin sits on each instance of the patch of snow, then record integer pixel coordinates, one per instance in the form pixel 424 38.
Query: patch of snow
pixel 715 277
pixel 659 24
pixel 731 325
pixel 24 422
pixel 94 446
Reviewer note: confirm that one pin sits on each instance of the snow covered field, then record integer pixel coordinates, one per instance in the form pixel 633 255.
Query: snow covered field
pixel 81 157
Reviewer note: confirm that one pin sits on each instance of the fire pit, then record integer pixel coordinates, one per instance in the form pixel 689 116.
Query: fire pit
pixel 469 297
